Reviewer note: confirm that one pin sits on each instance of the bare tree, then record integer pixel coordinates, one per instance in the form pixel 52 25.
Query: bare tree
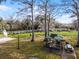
pixel 48 10
pixel 75 24
pixel 73 7
pixel 32 21
pixel 51 15
pixel 29 4
pixel 26 24
pixel 43 6
pixel 1 18
pixel 2 0
pixel 1 22
pixel 75 11
pixel 48 24
pixel 10 23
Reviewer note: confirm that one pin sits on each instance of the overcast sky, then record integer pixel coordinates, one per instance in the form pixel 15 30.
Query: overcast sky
pixel 8 8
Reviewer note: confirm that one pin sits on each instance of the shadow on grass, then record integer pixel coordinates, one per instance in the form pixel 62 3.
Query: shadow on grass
pixel 27 49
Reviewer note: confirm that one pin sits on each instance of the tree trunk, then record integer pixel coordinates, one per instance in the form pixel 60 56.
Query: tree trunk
pixel 46 19
pixel 32 23
pixel 10 27
pixel 48 25
pixel 78 33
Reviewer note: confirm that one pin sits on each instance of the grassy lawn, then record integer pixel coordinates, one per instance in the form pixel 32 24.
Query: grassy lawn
pixel 9 50
pixel 71 36
pixel 1 35
pixel 24 35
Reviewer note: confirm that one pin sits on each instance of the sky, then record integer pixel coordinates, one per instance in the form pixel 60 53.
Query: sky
pixel 9 8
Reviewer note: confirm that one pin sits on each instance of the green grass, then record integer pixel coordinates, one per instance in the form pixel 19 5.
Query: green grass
pixel 71 36
pixel 24 35
pixel 10 51
pixel 1 35
pixel 42 34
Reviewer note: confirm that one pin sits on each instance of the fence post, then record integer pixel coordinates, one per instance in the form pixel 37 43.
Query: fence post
pixel 18 47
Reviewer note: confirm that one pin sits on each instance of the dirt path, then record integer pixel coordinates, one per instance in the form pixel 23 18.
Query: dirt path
pixel 5 39
pixel 65 55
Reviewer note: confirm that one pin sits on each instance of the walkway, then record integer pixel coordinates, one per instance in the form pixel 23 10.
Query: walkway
pixel 5 39
pixel 65 55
